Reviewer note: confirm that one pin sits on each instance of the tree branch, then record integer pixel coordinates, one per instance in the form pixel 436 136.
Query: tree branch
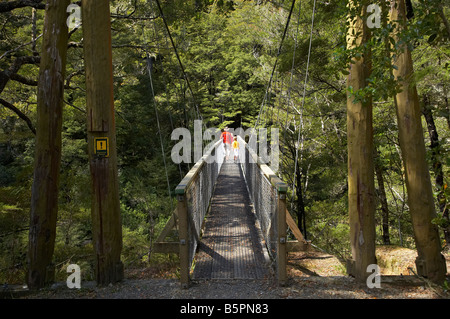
pixel 114 46
pixel 21 79
pixel 11 5
pixel 330 85
pixel 20 114
pixel 5 75
pixel 19 47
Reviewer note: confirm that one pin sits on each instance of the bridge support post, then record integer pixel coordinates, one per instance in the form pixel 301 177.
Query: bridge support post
pixel 282 240
pixel 183 234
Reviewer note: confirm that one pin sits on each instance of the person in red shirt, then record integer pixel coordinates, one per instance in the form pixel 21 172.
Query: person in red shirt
pixel 227 139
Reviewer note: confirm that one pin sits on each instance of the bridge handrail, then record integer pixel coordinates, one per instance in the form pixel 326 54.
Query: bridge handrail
pixel 273 178
pixel 193 172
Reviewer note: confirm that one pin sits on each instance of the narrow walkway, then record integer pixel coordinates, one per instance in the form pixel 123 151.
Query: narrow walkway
pixel 231 246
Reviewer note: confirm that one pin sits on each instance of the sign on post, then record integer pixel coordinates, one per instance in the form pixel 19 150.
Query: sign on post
pixel 101 146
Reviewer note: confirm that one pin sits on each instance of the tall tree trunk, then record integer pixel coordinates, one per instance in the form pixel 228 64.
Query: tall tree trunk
pixel 44 196
pixel 430 263
pixel 361 186
pixel 105 210
pixel 383 201
pixel 436 162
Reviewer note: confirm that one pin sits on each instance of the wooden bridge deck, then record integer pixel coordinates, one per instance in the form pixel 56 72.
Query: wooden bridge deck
pixel 231 246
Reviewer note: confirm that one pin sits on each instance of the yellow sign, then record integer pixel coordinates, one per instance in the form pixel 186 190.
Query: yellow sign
pixel 101 146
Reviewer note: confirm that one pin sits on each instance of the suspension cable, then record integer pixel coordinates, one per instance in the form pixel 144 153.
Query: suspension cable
pixel 292 69
pixel 164 77
pixel 275 64
pixel 179 59
pixel 158 122
pixel 300 131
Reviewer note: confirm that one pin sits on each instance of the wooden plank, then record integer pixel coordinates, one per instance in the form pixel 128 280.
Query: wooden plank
pixel 171 223
pixel 294 228
pixel 184 241
pixel 192 174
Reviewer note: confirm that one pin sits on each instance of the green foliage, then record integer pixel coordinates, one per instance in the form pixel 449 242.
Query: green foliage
pixel 228 50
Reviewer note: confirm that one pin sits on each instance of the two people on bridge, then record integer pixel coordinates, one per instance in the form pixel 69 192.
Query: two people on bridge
pixel 230 142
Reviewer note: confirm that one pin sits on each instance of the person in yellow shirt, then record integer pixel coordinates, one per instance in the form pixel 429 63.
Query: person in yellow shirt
pixel 235 146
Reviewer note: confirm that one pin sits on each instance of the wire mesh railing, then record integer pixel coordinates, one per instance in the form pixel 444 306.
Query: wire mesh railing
pixel 268 195
pixel 194 194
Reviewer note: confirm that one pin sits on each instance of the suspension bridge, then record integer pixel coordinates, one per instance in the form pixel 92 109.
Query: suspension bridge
pixel 231 220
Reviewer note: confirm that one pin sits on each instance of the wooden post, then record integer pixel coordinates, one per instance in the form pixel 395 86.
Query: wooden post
pixel 105 210
pixel 430 262
pixel 184 241
pixel 44 196
pixel 361 187
pixel 282 239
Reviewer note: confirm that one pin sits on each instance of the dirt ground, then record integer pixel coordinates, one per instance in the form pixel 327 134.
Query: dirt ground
pixel 312 275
